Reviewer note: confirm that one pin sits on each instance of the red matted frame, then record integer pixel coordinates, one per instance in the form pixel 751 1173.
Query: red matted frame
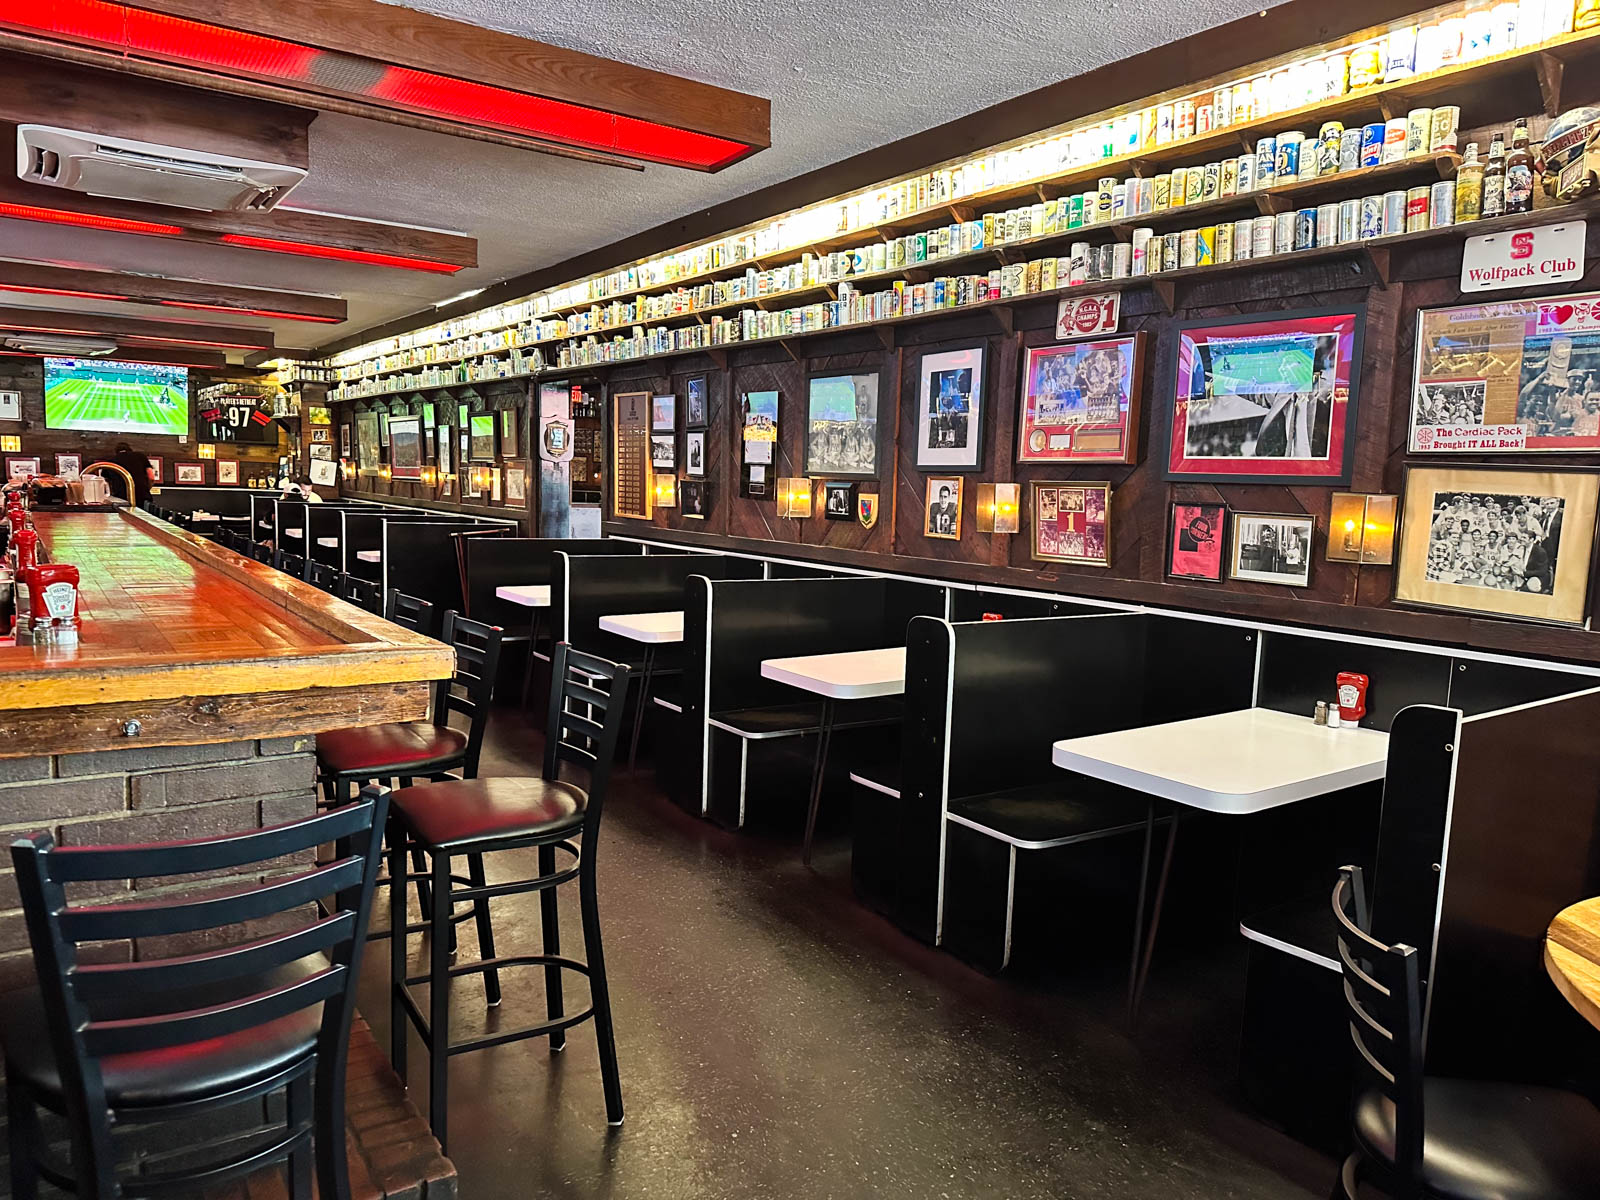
pixel 180 469
pixel 1113 440
pixel 1335 376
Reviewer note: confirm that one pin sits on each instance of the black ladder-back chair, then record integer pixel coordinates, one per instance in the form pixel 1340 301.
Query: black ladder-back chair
pixel 322 577
pixel 420 616
pixel 262 552
pixel 480 816
pixel 1421 1137
pixel 361 592
pixel 290 564
pixel 171 1038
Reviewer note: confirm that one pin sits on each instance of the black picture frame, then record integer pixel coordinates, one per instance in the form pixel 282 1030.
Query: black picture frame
pixel 927 459
pixel 697 402
pixel 882 431
pixel 483 430
pixel 1220 535
pixel 1340 478
pixel 839 500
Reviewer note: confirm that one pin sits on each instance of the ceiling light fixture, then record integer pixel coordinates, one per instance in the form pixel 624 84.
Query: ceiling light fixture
pixel 49 291
pixel 56 216
pixel 161 37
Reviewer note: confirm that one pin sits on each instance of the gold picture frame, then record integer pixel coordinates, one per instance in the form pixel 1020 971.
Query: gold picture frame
pixel 1500 541
pixel 1079 533
pixel 942 508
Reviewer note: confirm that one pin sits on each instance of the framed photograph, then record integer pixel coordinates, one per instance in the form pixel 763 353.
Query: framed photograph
pixel 759 426
pixel 1508 377
pixel 10 406
pixel 442 442
pixel 324 473
pixel 510 443
pixel 1072 522
pixel 839 503
pixel 405 447
pixel 495 492
pixel 842 425
pixel 943 518
pixel 227 472
pixel 663 451
pixel 322 452
pixel 69 466
pixel 663 414
pixel 692 498
pixel 1081 401
pixel 21 468
pixel 157 465
pixel 1267 398
pixel 383 428
pixel 694 455
pixel 367 430
pixel 696 402
pixel 1195 537
pixel 1272 548
pixel 950 411
pixel 320 436
pixel 184 472
pixel 517 485
pixel 1506 542
pixel 344 440
pixel 481 437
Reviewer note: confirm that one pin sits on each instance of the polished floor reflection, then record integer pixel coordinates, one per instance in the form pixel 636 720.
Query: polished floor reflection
pixel 777 1040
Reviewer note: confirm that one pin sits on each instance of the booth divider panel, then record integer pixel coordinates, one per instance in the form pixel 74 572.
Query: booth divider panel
pixel 1296 672
pixel 517 561
pixel 1477 686
pixel 1196 668
pixel 920 808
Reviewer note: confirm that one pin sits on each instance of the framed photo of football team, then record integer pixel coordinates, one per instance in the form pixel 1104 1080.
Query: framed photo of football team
pixel 1501 541
pixel 843 435
pixel 1266 398
pixel 1072 522
pixel 1081 401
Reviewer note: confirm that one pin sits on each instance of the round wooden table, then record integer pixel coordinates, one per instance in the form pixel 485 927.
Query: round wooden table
pixel 1572 956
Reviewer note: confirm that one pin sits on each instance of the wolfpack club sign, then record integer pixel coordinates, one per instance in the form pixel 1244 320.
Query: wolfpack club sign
pixel 1523 257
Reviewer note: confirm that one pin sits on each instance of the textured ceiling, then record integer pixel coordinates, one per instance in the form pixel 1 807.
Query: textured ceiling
pixel 843 76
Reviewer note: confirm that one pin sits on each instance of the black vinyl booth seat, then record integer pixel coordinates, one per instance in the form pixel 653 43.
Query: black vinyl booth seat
pixel 1423 1138
pixel 172 1038
pixel 475 817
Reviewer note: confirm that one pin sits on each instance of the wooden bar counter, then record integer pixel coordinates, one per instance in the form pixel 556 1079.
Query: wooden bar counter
pixel 184 642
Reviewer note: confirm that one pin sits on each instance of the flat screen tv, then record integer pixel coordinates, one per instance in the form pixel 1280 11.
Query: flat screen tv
pixel 115 397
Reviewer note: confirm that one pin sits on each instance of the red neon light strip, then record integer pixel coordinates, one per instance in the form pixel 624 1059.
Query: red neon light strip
pixel 44 291
pixel 280 246
pixel 155 35
pixel 56 216
pixel 251 312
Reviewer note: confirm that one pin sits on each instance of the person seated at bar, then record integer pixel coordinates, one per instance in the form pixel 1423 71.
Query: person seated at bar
pixel 136 464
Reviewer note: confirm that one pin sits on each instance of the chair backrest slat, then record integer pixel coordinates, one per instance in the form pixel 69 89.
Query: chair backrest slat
pixel 120 980
pixel 578 681
pixel 418 615
pixel 470 689
pixel 161 918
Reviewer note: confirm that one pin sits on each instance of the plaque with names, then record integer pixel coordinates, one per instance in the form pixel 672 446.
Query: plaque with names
pixel 630 455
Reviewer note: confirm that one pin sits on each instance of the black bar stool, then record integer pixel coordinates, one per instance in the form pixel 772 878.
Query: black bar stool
pixel 261 552
pixel 362 592
pixel 481 816
pixel 1425 1138
pixel 322 577
pixel 412 612
pixel 290 564
pixel 171 1038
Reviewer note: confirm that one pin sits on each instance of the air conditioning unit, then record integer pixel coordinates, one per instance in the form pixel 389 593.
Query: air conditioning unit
pixel 120 169
pixel 85 346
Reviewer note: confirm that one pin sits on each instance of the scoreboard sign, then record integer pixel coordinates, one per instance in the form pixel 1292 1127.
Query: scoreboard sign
pixel 236 419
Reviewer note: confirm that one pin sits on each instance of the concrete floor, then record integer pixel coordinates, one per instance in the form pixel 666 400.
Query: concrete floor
pixel 777 1040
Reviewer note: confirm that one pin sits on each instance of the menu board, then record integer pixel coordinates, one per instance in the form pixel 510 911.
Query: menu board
pixel 1508 377
pixel 630 455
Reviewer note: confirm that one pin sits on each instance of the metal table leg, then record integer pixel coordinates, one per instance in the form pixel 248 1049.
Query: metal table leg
pixel 818 773
pixel 1136 997
pixel 644 699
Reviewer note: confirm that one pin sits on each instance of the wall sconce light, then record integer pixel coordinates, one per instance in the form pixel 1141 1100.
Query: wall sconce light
pixel 794 498
pixel 666 491
pixel 429 476
pixel 347 469
pixel 385 473
pixel 1361 528
pixel 206 449
pixel 11 443
pixel 480 478
pixel 999 507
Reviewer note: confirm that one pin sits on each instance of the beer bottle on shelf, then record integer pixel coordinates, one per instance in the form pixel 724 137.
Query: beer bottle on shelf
pixel 1519 172
pixel 1469 186
pixel 1494 178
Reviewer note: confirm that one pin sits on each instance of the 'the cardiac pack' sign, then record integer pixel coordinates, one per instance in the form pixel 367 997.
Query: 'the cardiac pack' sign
pixel 1523 257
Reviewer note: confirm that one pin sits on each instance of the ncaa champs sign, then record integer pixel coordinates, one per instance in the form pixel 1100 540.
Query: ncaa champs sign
pixel 1088 316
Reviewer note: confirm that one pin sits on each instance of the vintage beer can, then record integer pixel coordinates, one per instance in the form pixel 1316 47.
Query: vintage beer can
pixel 1146 196
pixel 1366 66
pixel 1161 188
pixel 1283 232
pixel 1204 114
pixel 1416 209
pixel 1224 246
pixel 1078 265
pixel 1266 161
pixel 1229 185
pixel 1263 236
pixel 1371 217
pixel 1242 237
pixel 1328 141
pixel 1141 250
pixel 1119 202
pixel 1194 185
pixel 1394 212
pixel 1074 214
pixel 1287 161
pixel 1170 247
pixel 1445 134
pixel 1164 124
pixel 1442 205
pixel 1327 224
pixel 1394 139
pixel 1419 131
pixel 1103 198
pixel 1305 228
pixel 1372 144
pixel 1121 260
pixel 1147 128
pixel 1183 119
pixel 1247 173
pixel 1180 186
pixel 1349 221
pixel 1211 183
pixel 1350 148
pixel 1244 101
pixel 1336 75
pixel 1188 247
pixel 1222 108
pixel 1205 246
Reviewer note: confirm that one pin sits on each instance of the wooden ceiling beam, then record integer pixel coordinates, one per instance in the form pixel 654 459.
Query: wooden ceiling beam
pixel 195 294
pixel 223 337
pixel 205 360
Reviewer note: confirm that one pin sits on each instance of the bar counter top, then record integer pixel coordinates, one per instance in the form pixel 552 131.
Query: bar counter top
pixel 183 641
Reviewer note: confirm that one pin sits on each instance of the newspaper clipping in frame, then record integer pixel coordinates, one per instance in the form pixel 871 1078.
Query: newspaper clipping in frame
pixel 1513 377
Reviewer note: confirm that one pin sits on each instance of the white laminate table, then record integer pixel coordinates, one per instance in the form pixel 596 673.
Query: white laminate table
pixel 1233 762
pixel 294 533
pixel 332 543
pixel 370 555
pixel 654 630
pixel 529 595
pixel 848 675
